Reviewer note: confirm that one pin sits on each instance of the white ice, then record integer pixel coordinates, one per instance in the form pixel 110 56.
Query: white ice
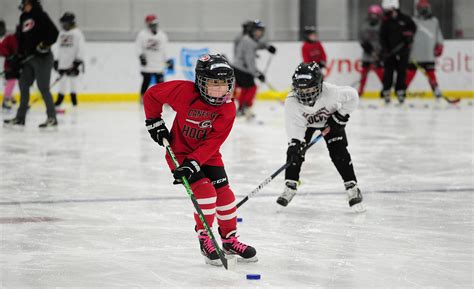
pixel 107 215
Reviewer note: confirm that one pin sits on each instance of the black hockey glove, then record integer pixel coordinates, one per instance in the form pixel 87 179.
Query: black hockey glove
pixel 74 70
pixel 170 64
pixel 337 121
pixel 143 61
pixel 55 65
pixel 272 49
pixel 158 131
pixel 295 153
pixel 187 169
pixel 261 77
pixel 42 48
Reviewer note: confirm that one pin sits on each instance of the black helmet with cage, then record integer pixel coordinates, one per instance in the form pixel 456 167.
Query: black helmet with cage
pixel 68 20
pixel 308 83
pixel 214 70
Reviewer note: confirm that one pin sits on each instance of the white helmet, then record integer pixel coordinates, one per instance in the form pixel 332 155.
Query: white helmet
pixel 390 4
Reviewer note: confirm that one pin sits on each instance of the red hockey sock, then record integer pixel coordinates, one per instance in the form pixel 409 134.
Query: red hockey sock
pixel 226 211
pixel 432 78
pixel 247 95
pixel 363 79
pixel 206 197
pixel 379 72
pixel 410 75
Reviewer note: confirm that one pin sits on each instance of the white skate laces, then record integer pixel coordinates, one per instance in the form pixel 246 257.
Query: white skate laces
pixel 288 194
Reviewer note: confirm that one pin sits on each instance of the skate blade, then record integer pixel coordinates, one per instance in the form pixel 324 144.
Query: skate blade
pixel 358 208
pixel 248 260
pixel 213 262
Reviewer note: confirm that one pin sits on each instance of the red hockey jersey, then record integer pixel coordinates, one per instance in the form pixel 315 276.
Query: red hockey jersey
pixel 199 129
pixel 313 51
pixel 8 48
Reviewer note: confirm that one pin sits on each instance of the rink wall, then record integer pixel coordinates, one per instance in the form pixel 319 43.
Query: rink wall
pixel 112 68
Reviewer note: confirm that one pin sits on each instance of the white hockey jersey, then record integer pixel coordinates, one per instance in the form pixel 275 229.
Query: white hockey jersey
pixel 153 46
pixel 298 117
pixel 70 46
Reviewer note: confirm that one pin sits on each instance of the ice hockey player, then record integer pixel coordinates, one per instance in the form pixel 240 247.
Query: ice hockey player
pixel 396 38
pixel 312 106
pixel 369 40
pixel 427 45
pixel 37 34
pixel 8 50
pixel 205 114
pixel 245 66
pixel 312 49
pixel 151 46
pixel 70 57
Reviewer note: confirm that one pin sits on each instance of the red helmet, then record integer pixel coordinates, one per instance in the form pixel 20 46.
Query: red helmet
pixel 375 9
pixel 151 19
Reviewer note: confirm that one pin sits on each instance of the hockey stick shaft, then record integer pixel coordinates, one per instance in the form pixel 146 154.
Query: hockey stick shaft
pixel 449 100
pixel 196 206
pixel 277 172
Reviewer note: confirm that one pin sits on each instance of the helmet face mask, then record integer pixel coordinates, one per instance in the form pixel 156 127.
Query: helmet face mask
pixel 308 83
pixel 214 79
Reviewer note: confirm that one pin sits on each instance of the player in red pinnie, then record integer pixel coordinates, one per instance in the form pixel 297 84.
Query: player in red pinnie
pixel 205 114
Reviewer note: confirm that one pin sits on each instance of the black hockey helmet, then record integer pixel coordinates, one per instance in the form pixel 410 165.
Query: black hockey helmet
pixel 246 27
pixel 3 28
pixel 214 69
pixel 254 26
pixel 68 20
pixel 308 82
pixel 307 31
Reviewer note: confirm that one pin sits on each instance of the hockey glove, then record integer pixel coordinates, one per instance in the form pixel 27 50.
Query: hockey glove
pixel 158 131
pixel 438 50
pixel 272 49
pixel 56 65
pixel 337 121
pixel 143 61
pixel 261 77
pixel 187 169
pixel 74 71
pixel 295 153
pixel 170 64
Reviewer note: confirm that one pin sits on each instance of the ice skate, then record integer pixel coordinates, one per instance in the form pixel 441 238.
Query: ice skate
pixel 290 191
pixel 207 249
pixel 14 123
pixel 354 196
pixel 49 123
pixel 232 246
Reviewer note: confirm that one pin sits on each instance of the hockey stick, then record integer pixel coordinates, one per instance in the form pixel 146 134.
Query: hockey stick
pixel 270 178
pixel 449 100
pixel 56 81
pixel 196 206
pixel 268 64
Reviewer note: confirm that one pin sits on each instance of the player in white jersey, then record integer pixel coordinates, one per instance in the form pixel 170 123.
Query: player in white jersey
pixel 316 105
pixel 70 56
pixel 427 46
pixel 151 45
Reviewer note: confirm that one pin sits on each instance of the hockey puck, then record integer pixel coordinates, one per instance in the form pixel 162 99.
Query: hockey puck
pixel 253 276
pixel 239 220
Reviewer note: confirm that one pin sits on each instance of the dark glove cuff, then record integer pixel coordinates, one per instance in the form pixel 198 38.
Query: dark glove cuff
pixel 340 119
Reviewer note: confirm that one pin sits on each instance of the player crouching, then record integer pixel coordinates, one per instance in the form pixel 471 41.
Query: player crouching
pixel 316 105
pixel 205 115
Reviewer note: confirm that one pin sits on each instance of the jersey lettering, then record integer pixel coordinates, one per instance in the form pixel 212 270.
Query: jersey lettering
pixel 196 133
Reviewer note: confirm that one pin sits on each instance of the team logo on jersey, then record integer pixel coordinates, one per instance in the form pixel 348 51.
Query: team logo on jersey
pixel 152 44
pixel 66 40
pixel 28 25
pixel 320 116
pixel 197 113
pixel 188 59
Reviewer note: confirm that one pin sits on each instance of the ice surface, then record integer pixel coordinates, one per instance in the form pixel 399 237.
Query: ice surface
pixel 92 205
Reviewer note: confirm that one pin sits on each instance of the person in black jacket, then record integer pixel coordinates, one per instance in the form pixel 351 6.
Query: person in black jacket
pixel 37 34
pixel 396 37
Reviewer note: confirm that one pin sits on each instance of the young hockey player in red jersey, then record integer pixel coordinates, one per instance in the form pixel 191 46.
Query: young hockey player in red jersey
pixel 205 115
pixel 8 49
pixel 312 49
